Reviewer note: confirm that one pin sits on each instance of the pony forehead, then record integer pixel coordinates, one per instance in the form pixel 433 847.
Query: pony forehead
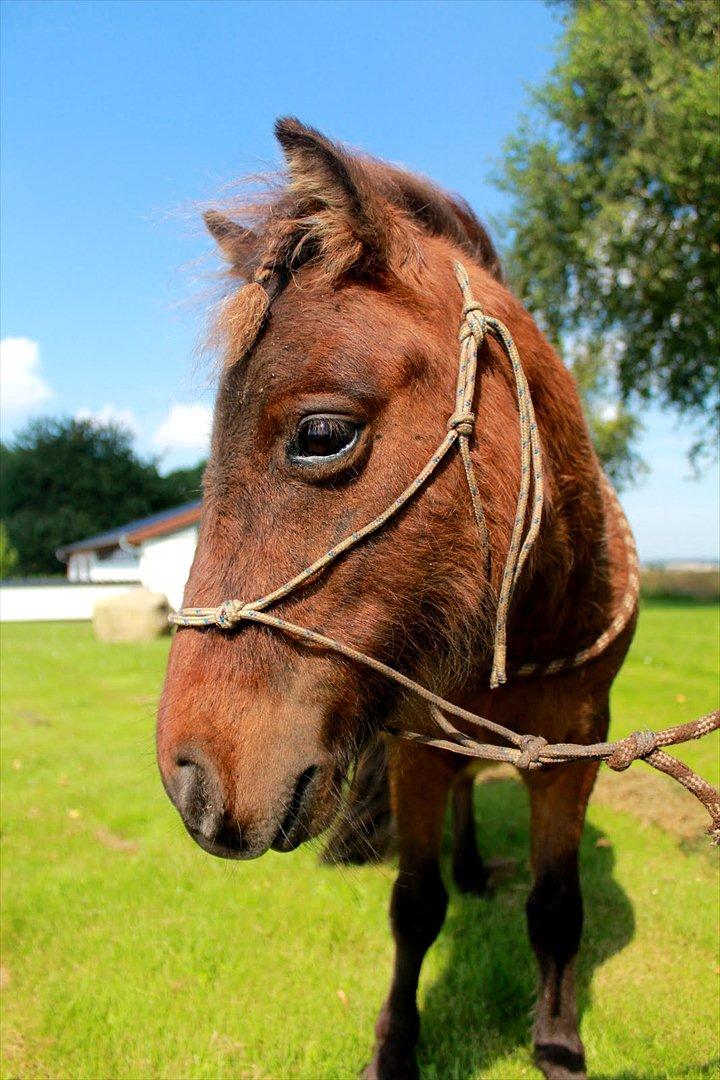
pixel 399 331
pixel 344 215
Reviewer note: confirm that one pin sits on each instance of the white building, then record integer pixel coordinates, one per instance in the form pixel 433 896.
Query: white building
pixel 155 551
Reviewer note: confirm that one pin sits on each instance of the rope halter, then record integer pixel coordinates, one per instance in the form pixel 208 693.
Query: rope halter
pixel 474 328
pixel 523 751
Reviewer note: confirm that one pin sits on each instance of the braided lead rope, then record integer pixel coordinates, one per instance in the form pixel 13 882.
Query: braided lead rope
pixel 535 752
pixel 526 751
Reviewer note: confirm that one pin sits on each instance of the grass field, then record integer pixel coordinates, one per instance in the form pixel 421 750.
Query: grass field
pixel 129 953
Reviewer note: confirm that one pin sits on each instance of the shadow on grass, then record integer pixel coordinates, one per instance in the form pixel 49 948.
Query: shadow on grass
pixel 479 1009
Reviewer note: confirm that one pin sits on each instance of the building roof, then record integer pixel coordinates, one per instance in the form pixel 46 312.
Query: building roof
pixel 179 518
pixel 134 532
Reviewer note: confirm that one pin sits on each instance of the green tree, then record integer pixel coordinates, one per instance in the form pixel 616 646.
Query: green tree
pixel 185 485
pixel 613 426
pixel 62 480
pixel 615 179
pixel 8 554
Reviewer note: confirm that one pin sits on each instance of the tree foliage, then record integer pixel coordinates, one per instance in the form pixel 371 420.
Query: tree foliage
pixel 615 181
pixel 62 480
pixel 613 427
pixel 185 485
pixel 8 554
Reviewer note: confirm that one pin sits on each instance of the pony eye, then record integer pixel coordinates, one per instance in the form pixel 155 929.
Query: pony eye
pixel 323 437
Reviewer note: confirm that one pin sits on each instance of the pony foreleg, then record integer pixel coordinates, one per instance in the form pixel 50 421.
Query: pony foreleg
pixel 558 799
pixel 419 783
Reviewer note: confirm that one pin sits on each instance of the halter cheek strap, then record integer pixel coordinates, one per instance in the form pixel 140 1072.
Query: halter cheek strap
pixel 528 751
pixel 474 327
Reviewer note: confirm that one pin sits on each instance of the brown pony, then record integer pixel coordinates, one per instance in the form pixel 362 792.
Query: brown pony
pixel 330 403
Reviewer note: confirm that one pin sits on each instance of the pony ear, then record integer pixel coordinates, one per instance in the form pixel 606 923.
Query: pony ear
pixel 334 190
pixel 236 243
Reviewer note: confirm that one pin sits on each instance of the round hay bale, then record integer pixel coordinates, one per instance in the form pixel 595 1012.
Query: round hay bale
pixel 138 615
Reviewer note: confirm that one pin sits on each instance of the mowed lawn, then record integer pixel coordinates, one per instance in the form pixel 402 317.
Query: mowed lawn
pixel 130 953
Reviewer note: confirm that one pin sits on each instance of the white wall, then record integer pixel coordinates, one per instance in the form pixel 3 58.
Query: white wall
pixel 165 563
pixel 37 603
pixel 163 567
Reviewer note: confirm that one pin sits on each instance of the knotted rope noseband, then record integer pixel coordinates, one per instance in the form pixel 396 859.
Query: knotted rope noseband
pixel 524 751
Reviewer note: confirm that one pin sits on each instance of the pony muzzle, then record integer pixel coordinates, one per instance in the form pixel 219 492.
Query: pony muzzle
pixel 231 824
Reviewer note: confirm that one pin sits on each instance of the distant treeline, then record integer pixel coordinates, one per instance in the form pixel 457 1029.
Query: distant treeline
pixel 63 480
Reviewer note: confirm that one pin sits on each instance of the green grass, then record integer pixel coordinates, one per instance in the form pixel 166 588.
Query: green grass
pixel 130 953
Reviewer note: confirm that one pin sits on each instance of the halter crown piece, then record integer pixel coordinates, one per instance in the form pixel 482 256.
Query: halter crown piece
pixel 524 751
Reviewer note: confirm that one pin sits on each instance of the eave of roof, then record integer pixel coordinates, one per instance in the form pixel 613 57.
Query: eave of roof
pixel 177 517
pixel 182 519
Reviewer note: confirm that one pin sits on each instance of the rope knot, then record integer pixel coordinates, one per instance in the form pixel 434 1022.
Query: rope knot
pixel 462 422
pixel 531 747
pixel 474 323
pixel 637 745
pixel 229 613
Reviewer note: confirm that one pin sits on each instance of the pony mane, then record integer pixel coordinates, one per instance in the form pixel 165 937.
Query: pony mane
pixel 343 213
pixel 437 212
pixel 283 229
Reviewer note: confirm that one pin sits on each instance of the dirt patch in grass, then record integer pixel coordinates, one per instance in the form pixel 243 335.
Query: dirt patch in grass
pixel 23 1060
pixel 653 800
pixel 650 798
pixel 33 719
pixel 114 842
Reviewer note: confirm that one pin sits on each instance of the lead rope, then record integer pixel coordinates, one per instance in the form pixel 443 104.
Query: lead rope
pixel 525 751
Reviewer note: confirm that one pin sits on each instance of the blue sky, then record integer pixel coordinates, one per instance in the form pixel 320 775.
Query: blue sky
pixel 119 117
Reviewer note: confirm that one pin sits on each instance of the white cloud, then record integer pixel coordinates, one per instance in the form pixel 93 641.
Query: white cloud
pixel 21 384
pixel 108 414
pixel 184 426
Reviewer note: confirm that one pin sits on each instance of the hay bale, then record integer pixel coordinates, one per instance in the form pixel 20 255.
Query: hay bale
pixel 138 615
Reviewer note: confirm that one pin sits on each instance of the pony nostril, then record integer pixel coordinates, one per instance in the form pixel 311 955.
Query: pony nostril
pixel 282 839
pixel 196 793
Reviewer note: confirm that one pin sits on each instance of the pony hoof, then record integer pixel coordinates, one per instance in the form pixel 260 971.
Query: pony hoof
pixel 557 1061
